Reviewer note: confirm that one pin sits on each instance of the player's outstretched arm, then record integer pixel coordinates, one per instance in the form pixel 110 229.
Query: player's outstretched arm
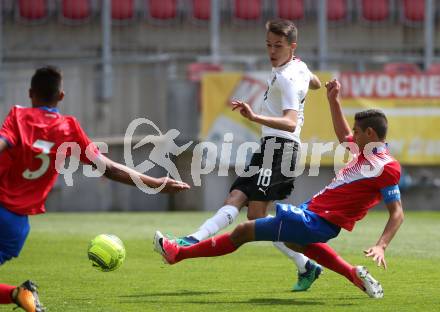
pixel 314 83
pixel 395 219
pixel 340 124
pixel 287 122
pixel 121 173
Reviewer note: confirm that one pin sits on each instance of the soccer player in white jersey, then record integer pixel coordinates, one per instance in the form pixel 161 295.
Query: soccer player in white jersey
pixel 282 117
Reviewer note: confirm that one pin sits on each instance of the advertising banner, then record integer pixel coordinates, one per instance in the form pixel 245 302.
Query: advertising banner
pixel 411 103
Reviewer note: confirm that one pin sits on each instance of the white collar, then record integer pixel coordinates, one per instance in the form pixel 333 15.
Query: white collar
pixel 282 67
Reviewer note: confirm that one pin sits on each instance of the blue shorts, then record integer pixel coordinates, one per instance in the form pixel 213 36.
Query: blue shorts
pixel 295 225
pixel 13 232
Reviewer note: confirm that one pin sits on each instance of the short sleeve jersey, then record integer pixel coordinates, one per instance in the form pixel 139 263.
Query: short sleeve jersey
pixel 357 187
pixel 27 166
pixel 287 89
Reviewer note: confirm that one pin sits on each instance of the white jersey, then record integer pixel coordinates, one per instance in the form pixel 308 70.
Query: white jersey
pixel 287 89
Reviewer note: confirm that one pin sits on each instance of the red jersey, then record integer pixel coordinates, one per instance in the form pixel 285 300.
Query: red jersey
pixel 358 187
pixel 27 167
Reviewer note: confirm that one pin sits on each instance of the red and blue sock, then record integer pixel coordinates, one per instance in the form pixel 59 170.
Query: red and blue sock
pixel 212 247
pixel 6 293
pixel 326 256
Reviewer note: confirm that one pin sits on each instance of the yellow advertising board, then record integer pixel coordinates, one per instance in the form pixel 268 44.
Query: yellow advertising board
pixel 411 103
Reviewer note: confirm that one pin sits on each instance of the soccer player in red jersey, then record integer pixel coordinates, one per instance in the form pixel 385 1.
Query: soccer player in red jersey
pixel 371 176
pixel 29 145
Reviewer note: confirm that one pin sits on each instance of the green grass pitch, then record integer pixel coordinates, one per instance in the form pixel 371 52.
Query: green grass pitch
pixel 255 278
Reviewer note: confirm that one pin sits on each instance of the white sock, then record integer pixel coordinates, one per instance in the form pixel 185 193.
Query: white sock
pixel 223 217
pixel 299 259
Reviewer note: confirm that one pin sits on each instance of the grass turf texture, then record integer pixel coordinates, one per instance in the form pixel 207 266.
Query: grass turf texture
pixel 257 277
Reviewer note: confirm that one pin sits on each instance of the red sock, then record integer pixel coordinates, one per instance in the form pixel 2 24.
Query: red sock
pixel 326 256
pixel 211 247
pixel 5 293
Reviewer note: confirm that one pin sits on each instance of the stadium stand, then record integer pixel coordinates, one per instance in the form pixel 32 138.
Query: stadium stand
pixel 123 10
pixel 247 10
pixel 162 10
pixel 76 10
pixel 32 10
pixel 413 11
pixel 145 56
pixel 290 9
pixel 375 10
pixel 201 10
pixel 337 10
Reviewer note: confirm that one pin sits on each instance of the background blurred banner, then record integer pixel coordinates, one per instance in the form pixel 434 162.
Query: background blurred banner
pixel 411 103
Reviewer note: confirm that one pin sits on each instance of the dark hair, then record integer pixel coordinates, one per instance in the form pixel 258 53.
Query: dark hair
pixel 46 83
pixel 282 27
pixel 374 119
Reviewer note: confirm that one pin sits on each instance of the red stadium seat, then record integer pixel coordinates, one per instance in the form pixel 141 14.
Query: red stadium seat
pixel 162 9
pixel 434 69
pixel 123 10
pixel 375 10
pixel 401 68
pixel 76 9
pixel 336 10
pixel 196 70
pixel 248 9
pixel 414 10
pixel 201 9
pixel 32 9
pixel 290 9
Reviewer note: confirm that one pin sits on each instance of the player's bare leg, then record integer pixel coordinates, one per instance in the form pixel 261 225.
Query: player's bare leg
pixel 257 209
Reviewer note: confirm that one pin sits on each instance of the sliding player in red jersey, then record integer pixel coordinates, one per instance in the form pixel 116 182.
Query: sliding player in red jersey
pixel 29 142
pixel 371 176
